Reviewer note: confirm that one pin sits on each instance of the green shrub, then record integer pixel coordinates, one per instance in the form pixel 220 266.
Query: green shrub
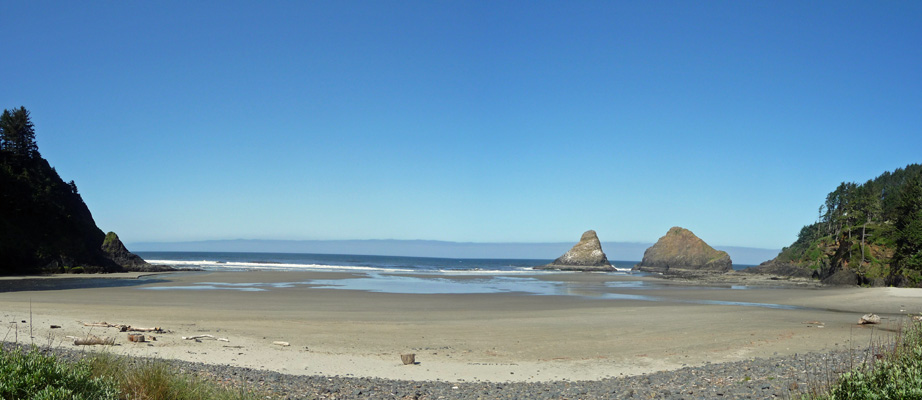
pixel 34 376
pixel 31 375
pixel 898 375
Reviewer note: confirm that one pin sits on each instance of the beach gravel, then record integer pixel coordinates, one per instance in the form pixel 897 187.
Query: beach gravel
pixel 778 377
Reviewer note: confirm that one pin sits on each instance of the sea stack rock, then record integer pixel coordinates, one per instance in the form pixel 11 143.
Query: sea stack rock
pixel 681 251
pixel 587 255
pixel 115 249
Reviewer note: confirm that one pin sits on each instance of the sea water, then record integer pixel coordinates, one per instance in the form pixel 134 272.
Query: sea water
pixel 229 261
pixel 416 275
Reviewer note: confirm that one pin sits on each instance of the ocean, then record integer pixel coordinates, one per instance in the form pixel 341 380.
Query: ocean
pixel 230 261
pixel 416 275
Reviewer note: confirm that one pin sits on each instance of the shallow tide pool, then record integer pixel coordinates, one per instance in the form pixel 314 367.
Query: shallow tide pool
pixel 402 284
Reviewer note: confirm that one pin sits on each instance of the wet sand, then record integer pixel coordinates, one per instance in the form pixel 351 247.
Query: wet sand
pixel 605 325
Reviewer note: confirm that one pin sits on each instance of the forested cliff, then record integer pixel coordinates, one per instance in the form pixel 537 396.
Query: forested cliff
pixel 868 233
pixel 45 226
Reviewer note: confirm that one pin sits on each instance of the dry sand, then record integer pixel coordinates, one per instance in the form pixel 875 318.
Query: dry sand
pixel 600 330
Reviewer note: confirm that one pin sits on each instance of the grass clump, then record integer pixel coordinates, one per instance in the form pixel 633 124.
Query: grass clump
pixel 896 373
pixel 156 380
pixel 34 376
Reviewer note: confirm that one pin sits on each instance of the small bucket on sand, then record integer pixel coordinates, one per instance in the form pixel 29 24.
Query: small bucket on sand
pixel 408 359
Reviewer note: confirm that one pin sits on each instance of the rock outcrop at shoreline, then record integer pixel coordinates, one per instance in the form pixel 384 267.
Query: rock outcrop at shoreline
pixel 774 267
pixel 118 253
pixel 680 250
pixel 587 255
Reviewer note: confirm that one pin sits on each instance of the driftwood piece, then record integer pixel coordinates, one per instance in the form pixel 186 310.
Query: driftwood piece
pixel 283 344
pixel 869 319
pixel 198 337
pixel 92 340
pixel 123 327
pixel 129 328
pixel 408 359
pixel 101 324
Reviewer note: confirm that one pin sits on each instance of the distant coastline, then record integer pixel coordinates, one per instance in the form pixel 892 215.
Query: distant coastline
pixel 431 248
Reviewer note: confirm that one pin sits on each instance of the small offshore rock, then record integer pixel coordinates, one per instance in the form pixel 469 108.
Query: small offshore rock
pixel 587 255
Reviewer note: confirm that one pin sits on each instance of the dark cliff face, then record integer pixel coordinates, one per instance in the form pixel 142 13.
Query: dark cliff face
pixel 45 227
pixel 587 255
pixel 681 250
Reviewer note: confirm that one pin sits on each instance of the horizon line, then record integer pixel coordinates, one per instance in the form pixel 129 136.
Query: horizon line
pixel 165 242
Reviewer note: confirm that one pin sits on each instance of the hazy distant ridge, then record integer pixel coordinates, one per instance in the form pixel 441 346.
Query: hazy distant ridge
pixel 625 251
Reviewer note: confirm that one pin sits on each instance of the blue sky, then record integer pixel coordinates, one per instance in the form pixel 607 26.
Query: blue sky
pixel 465 121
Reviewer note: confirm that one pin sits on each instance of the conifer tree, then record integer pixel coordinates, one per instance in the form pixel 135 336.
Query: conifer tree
pixel 17 134
pixel 908 257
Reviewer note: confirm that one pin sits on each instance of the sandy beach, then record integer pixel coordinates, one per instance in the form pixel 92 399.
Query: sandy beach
pixel 604 326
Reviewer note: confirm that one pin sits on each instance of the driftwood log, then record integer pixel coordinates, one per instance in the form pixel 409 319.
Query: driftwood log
pixel 92 341
pixel 283 344
pixel 123 327
pixel 129 328
pixel 101 324
pixel 196 337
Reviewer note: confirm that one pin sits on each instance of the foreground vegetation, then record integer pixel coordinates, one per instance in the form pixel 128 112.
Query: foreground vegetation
pixel 35 376
pixel 893 372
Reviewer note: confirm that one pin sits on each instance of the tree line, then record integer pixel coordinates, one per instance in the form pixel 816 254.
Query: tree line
pixel 886 210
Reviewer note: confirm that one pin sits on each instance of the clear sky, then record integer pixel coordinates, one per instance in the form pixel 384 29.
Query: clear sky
pixel 474 121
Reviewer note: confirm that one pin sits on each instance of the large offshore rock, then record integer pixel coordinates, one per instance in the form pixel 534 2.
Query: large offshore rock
pixel 680 250
pixel 587 255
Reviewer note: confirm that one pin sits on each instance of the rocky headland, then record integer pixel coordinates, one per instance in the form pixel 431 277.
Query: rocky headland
pixel 863 235
pixel 587 255
pixel 681 251
pixel 45 226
